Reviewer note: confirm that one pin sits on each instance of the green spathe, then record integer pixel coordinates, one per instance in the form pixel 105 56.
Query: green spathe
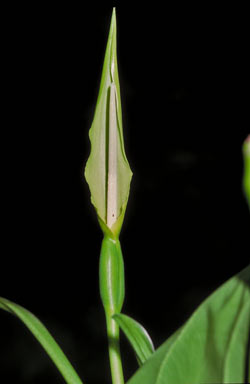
pixel 107 170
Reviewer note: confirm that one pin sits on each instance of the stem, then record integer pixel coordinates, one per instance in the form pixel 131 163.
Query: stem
pixel 112 289
pixel 114 351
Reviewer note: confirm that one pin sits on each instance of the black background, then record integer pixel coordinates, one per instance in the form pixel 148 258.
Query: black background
pixel 185 98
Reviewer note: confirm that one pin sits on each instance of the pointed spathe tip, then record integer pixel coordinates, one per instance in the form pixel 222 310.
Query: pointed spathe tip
pixel 112 32
pixel 113 19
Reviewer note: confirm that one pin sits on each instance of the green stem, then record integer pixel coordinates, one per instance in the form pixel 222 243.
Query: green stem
pixel 114 351
pixel 112 290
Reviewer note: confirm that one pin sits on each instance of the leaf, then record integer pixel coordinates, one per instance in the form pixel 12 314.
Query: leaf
pixel 107 171
pixel 45 339
pixel 212 347
pixel 246 177
pixel 137 336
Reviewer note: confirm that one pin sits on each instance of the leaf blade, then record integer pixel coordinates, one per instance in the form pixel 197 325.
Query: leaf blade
pixel 45 339
pixel 137 336
pixel 198 351
pixel 235 363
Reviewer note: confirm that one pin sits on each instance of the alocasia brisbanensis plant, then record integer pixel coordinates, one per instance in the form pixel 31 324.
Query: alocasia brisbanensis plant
pixel 213 345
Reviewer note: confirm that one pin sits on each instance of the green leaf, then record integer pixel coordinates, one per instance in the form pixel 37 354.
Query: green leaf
pixel 137 336
pixel 45 339
pixel 246 177
pixel 212 347
pixel 107 170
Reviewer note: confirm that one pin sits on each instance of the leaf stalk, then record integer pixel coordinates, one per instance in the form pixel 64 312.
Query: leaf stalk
pixel 112 291
pixel 114 351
